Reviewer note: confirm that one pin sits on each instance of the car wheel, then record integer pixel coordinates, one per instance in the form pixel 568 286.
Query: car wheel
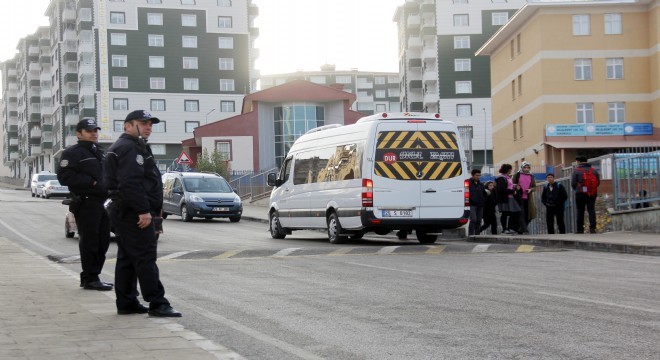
pixel 185 216
pixel 33 194
pixel 424 238
pixel 276 231
pixel 67 232
pixel 234 218
pixel 335 230
pixel 46 196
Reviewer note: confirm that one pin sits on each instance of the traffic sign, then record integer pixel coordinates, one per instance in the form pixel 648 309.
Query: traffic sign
pixel 183 158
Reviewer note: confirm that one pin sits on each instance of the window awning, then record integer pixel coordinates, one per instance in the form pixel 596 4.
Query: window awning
pixel 603 144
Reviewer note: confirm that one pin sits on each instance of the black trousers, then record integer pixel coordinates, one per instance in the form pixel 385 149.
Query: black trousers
pixel 552 212
pixel 490 221
pixel 582 201
pixel 136 262
pixel 94 231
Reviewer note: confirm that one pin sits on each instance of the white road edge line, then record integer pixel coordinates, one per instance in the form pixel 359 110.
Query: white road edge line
pixel 385 268
pixel 653 311
pixel 285 252
pixel 387 250
pixel 51 251
pixel 480 248
pixel 175 255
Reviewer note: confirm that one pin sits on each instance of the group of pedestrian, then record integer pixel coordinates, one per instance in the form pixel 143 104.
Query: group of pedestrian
pixel 128 178
pixel 512 196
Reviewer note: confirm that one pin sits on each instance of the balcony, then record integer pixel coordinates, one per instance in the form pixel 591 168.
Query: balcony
pixel 431 98
pixel 254 31
pixel 253 10
pixel 414 21
pixel 70 140
pixel 33 50
pixel 429 52
pixel 431 74
pixel 69 15
pixel 13 142
pixel 86 47
pixel 35 150
pixel 13 156
pixel 70 35
pixel 364 85
pixel 71 119
pixel 416 106
pixel 415 84
pixel 35 133
pixel 414 42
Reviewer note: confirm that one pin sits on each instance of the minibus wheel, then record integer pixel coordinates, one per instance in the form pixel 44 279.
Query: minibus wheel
pixel 335 230
pixel 276 231
pixel 425 238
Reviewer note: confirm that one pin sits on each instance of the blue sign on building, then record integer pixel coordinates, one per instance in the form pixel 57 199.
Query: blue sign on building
pixel 598 129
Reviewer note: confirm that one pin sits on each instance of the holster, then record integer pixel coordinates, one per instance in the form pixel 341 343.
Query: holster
pixel 75 204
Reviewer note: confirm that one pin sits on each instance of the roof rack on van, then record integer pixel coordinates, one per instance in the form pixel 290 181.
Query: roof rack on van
pixel 324 127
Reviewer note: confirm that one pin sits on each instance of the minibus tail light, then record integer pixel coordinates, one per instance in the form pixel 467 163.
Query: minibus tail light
pixel 367 193
pixel 466 193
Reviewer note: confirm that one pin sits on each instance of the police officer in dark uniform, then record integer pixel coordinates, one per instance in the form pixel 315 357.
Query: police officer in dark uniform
pixel 135 187
pixel 81 169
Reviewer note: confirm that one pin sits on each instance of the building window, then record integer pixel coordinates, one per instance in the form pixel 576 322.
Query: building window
pixel 225 42
pixel 191 125
pixel 157 62
pixel 462 65
pixel 187 2
pixel 614 68
pixel 227 106
pixel 226 84
pixel 585 113
pixel 380 94
pixel 224 22
pixel 119 104
pixel 518 43
pixel 463 87
pixel 513 89
pixel 582 69
pixel 613 24
pixel 461 20
pixel 157 149
pixel 190 84
pixel 119 61
pixel 291 120
pixel 461 42
pixel 189 41
pixel 118 126
pixel 117 18
pixel 463 110
pixel 616 112
pixel 190 63
pixel 224 148
pixel 118 39
pixel 191 105
pixel 393 93
pixel 317 79
pixel 157 105
pixel 379 80
pixel 515 131
pixel 381 108
pixel 157 83
pixel 226 64
pixel 343 79
pixel 581 25
pixel 520 127
pixel 158 128
pixel 156 40
pixel 154 19
pixel 120 82
pixel 225 3
pixel 519 85
pixel 512 46
pixel 188 20
pixel 499 18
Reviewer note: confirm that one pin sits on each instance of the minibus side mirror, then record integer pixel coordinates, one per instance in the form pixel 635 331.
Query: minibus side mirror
pixel 272 180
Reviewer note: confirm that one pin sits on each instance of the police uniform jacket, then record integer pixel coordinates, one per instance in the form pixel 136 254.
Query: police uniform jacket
pixel 81 165
pixel 132 176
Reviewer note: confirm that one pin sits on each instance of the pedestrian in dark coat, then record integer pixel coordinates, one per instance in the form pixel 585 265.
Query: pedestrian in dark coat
pixel 490 217
pixel 585 181
pixel 509 207
pixel 135 187
pixel 477 202
pixel 554 198
pixel 81 169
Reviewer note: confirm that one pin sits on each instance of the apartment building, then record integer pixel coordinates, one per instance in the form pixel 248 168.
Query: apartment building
pixel 438 69
pixel 376 91
pixel 575 78
pixel 189 62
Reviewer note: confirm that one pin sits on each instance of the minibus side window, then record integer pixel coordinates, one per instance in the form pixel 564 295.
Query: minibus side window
pixel 285 170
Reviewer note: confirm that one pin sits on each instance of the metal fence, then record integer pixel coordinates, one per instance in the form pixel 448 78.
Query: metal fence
pixel 636 180
pixel 251 186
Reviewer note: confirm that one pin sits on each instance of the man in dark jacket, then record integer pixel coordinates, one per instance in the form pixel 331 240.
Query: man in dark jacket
pixel 583 197
pixel 81 169
pixel 135 187
pixel 554 198
pixel 477 202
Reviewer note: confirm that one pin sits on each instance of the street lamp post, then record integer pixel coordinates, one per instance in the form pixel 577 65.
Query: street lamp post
pixel 207 116
pixel 485 139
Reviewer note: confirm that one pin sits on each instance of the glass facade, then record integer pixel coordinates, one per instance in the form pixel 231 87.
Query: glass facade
pixel 291 121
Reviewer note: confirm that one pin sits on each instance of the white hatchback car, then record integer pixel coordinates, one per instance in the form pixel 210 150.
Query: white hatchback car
pixel 39 180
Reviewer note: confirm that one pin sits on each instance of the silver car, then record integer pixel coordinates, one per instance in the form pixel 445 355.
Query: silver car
pixel 53 188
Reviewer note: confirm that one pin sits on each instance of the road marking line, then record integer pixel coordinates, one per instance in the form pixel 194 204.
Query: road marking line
pixel 51 251
pixel 654 311
pixel 227 254
pixel 480 248
pixel 341 251
pixel 433 250
pixel 525 248
pixel 70 258
pixel 387 250
pixel 385 268
pixel 175 255
pixel 285 252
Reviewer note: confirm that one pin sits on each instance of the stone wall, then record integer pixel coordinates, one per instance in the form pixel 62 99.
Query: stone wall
pixel 641 220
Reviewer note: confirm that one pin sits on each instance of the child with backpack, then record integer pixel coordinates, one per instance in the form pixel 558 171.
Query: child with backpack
pixel 554 198
pixel 585 182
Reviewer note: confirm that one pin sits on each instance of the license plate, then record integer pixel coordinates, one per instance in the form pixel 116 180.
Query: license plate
pixel 220 209
pixel 397 213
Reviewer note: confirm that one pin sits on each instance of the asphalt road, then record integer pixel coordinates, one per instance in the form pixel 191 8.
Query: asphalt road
pixel 362 300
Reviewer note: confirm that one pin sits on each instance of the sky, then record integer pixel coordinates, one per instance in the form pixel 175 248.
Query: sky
pixel 293 34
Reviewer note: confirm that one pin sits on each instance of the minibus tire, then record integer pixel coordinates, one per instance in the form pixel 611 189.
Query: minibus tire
pixel 424 238
pixel 275 227
pixel 335 230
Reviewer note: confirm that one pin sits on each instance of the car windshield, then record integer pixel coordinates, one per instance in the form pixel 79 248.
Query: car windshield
pixel 207 185
pixel 46 177
pixel 53 183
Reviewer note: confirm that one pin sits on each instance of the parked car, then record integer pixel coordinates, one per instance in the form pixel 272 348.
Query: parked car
pixel 200 194
pixel 53 188
pixel 39 180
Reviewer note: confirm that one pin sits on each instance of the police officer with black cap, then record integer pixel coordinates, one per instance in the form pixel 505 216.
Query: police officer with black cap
pixel 81 169
pixel 135 187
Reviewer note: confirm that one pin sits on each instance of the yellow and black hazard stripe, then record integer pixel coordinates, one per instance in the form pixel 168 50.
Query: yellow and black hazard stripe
pixel 417 155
